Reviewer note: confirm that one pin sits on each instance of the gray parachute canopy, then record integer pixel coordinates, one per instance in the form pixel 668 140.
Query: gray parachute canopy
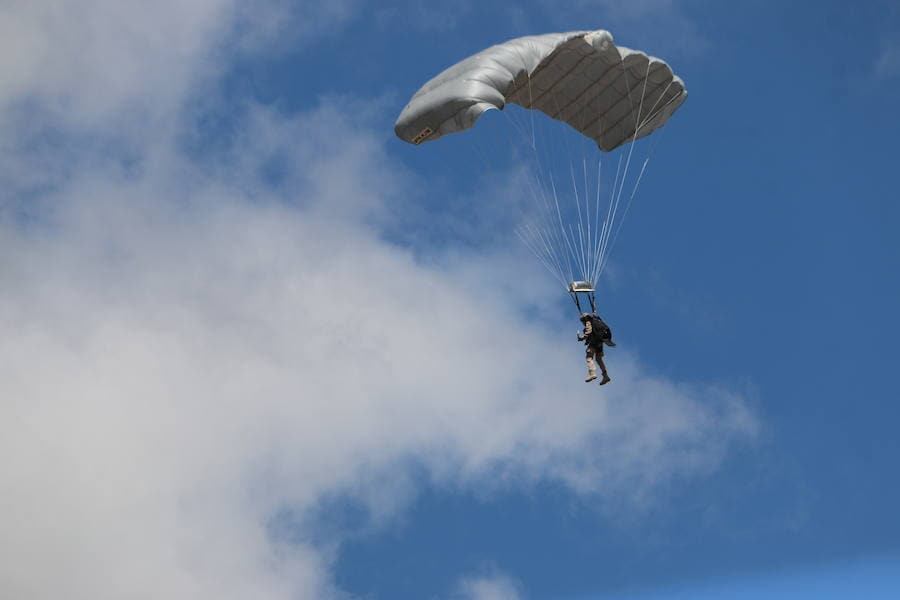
pixel 610 94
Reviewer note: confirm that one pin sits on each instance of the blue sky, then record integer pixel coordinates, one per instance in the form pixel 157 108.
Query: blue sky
pixel 255 346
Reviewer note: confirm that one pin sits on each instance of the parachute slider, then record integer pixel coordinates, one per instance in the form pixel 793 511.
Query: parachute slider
pixel 581 286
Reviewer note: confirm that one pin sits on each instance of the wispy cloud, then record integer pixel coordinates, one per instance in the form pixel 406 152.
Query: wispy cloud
pixel 192 346
pixel 888 63
pixel 496 586
pixel 417 16
pixel 660 27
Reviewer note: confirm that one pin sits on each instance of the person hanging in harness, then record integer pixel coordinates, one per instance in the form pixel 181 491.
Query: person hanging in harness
pixel 595 334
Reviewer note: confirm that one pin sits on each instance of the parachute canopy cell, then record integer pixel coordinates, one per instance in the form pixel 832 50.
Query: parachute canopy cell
pixel 609 93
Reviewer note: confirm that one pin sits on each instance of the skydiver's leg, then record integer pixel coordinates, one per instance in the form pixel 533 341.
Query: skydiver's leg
pixel 606 379
pixel 589 357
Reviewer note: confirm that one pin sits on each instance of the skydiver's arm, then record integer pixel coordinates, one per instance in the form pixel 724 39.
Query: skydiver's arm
pixel 587 331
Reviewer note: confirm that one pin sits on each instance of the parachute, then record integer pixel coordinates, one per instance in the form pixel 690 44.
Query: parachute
pixel 607 93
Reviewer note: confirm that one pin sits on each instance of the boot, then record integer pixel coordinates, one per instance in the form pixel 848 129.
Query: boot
pixel 610 343
pixel 591 376
pixel 605 379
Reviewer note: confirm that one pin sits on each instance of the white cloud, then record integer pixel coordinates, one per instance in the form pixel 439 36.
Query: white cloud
pixel 189 350
pixel 496 586
pixel 277 25
pixel 91 62
pixel 95 63
pixel 121 74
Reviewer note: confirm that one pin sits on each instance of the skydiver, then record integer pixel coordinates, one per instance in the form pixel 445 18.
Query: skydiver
pixel 595 334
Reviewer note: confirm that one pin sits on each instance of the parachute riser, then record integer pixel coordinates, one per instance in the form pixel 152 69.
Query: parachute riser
pixel 577 301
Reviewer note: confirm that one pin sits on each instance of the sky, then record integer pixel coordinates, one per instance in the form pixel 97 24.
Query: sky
pixel 253 345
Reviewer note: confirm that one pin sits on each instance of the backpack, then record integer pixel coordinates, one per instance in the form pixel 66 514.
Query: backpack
pixel 599 331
